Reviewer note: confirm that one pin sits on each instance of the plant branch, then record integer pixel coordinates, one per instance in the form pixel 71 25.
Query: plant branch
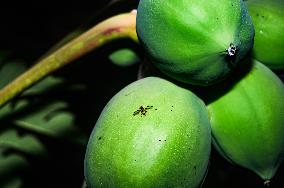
pixel 116 27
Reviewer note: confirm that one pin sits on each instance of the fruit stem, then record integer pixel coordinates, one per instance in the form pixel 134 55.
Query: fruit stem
pixel 231 51
pixel 113 28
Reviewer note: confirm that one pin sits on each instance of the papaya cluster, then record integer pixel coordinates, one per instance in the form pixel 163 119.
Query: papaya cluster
pixel 217 84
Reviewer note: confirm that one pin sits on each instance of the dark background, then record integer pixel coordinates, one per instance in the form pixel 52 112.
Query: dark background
pixel 28 30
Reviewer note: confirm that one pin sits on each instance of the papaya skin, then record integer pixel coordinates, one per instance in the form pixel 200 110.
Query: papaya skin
pixel 268 20
pixel 165 145
pixel 196 42
pixel 247 121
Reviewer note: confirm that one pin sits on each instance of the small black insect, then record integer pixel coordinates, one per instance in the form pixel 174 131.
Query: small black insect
pixel 142 110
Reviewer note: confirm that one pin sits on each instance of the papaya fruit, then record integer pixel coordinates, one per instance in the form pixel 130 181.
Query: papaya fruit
pixel 152 133
pixel 198 42
pixel 268 20
pixel 247 121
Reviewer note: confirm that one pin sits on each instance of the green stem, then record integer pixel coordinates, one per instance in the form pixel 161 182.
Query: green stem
pixel 116 27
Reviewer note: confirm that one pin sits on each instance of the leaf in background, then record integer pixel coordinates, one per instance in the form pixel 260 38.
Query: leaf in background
pixel 9 163
pixel 10 167
pixel 12 108
pixel 14 182
pixel 31 123
pixel 43 86
pixel 53 120
pixel 9 71
pixel 10 139
pixel 124 57
pixel 26 143
pixel 51 83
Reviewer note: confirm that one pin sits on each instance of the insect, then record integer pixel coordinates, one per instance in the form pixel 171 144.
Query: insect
pixel 142 110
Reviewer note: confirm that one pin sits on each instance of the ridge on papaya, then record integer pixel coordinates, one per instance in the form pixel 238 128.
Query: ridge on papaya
pixel 196 42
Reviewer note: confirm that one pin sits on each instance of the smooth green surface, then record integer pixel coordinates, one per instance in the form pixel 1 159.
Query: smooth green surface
pixel 248 122
pixel 268 20
pixel 169 146
pixel 188 40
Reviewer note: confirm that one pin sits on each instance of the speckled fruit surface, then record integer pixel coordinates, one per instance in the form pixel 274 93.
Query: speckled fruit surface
pixel 150 134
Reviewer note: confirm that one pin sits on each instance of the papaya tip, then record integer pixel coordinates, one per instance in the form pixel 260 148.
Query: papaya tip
pixel 266 183
pixel 134 11
pixel 231 51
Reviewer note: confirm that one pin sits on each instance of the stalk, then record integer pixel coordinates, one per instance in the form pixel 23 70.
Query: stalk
pixel 113 28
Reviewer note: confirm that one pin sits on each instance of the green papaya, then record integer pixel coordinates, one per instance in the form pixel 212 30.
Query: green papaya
pixel 152 133
pixel 196 41
pixel 247 121
pixel 268 20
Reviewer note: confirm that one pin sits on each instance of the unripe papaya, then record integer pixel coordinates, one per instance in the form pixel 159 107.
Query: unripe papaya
pixel 247 121
pixel 152 133
pixel 268 20
pixel 195 41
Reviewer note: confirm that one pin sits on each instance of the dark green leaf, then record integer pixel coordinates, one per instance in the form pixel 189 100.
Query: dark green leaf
pixel 9 71
pixel 52 120
pixel 26 143
pixel 10 165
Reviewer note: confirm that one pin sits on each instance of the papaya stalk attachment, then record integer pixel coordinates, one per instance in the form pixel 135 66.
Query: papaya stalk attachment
pixel 267 183
pixel 116 27
pixel 231 51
